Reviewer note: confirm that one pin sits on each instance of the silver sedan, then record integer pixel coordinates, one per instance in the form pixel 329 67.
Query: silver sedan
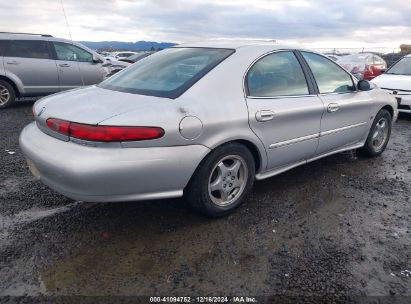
pixel 204 121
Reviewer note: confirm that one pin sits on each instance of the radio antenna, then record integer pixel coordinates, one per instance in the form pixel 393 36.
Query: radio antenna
pixel 71 38
pixel 65 17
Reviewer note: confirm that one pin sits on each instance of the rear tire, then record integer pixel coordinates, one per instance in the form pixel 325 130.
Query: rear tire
pixel 7 94
pixel 379 135
pixel 221 181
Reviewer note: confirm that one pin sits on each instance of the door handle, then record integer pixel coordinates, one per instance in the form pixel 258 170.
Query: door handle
pixel 264 115
pixel 332 107
pixel 64 65
pixel 14 62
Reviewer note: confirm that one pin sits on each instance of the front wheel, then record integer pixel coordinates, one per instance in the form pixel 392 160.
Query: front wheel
pixel 222 180
pixel 379 135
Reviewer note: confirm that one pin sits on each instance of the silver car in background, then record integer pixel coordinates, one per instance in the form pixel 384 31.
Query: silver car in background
pixel 204 121
pixel 36 65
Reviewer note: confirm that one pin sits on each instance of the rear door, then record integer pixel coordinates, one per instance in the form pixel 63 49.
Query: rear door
pixel 75 66
pixel 29 63
pixel 347 111
pixel 284 111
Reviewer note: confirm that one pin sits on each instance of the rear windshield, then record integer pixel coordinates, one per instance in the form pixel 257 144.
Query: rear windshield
pixel 168 73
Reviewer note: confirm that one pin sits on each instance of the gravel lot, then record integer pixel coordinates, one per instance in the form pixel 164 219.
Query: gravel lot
pixel 338 228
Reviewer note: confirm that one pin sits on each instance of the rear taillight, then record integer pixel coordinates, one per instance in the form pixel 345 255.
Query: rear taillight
pixel 59 126
pixel 103 133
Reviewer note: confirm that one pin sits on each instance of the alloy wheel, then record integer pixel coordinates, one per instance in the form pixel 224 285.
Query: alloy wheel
pixel 228 180
pixel 380 134
pixel 4 95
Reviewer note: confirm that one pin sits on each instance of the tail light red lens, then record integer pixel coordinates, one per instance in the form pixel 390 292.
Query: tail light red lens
pixel 103 133
pixel 58 125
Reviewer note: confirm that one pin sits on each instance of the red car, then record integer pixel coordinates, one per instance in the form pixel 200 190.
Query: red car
pixel 364 65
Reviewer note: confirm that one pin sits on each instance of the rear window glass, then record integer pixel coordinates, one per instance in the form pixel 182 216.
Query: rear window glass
pixel 29 49
pixel 3 45
pixel 277 74
pixel 168 73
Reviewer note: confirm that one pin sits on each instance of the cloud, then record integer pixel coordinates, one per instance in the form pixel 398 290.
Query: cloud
pixel 370 21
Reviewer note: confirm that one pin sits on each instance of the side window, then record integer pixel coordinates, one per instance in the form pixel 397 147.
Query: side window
pixel 277 74
pixel 3 46
pixel 70 52
pixel 330 77
pixel 29 49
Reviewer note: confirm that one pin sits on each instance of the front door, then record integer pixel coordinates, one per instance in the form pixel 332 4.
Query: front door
pixel 283 112
pixel 347 111
pixel 76 67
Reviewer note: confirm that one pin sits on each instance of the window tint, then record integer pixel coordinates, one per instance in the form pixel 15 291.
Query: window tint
pixel 330 77
pixel 167 73
pixel 29 49
pixel 277 74
pixel 70 52
pixel 3 45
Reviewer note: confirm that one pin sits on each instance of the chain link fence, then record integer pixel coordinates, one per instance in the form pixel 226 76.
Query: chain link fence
pixel 390 55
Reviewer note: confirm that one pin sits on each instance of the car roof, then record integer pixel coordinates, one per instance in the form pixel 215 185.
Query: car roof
pixel 236 44
pixel 25 36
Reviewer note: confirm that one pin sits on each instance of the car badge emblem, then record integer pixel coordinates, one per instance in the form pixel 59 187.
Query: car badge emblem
pixel 395 92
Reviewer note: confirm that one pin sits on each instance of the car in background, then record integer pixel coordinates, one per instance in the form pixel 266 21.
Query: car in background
pixel 333 57
pixel 397 80
pixel 114 66
pixel 136 57
pixel 363 65
pixel 203 121
pixel 119 65
pixel 37 65
pixel 122 55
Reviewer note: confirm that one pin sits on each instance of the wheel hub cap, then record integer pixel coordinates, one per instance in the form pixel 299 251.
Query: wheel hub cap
pixel 380 134
pixel 227 180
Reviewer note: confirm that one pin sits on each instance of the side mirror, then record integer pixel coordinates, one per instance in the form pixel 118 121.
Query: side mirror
pixel 96 59
pixel 363 85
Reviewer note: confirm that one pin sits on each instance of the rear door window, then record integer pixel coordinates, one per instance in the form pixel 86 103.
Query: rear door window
pixel 29 49
pixel 3 46
pixel 70 52
pixel 329 76
pixel 277 74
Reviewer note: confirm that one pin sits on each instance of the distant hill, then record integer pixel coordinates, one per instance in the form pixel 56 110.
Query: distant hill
pixel 130 46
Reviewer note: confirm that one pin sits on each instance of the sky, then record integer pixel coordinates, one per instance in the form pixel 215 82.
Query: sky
pixel 312 23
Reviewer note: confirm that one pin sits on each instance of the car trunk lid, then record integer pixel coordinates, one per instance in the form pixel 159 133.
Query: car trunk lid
pixel 91 105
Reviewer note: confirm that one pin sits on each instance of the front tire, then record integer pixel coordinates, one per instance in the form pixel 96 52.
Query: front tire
pixel 222 180
pixel 7 94
pixel 379 135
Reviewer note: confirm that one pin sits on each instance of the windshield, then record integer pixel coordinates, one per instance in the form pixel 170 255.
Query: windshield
pixel 402 67
pixel 168 73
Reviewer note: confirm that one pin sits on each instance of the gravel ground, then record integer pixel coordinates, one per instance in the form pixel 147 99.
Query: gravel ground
pixel 334 230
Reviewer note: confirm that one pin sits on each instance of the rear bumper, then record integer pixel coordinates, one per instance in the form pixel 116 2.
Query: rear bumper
pixel 108 174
